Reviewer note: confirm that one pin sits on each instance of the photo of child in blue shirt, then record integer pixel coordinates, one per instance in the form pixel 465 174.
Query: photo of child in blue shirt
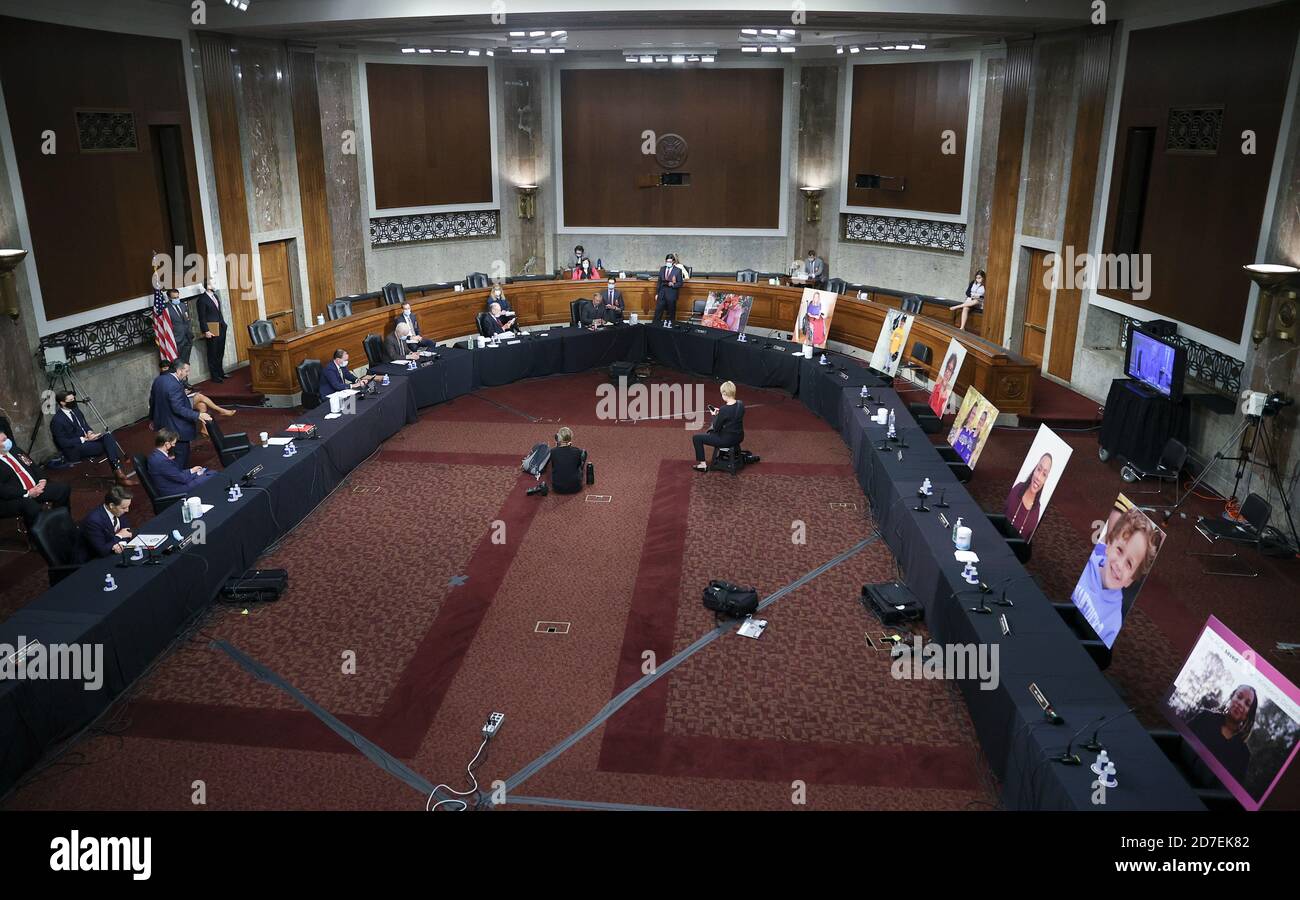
pixel 1122 559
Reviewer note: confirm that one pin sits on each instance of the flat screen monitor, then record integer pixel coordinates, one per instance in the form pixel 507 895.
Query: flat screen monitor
pixel 1156 364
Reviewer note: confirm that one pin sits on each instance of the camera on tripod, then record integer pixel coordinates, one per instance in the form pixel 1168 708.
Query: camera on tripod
pixel 1257 403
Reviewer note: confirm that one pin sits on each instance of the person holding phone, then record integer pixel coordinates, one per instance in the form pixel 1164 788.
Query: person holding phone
pixel 727 429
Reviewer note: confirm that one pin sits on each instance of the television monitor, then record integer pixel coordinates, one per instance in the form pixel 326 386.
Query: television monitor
pixel 1156 364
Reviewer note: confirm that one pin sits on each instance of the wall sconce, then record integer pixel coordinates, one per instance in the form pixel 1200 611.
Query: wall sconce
pixel 527 200
pixel 813 206
pixel 9 260
pixel 1273 281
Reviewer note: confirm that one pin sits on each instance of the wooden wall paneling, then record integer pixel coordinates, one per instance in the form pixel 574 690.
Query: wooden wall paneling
pixel 228 167
pixel 430 134
pixel 1004 377
pixel 897 116
pixel 1006 188
pixel 311 178
pixel 1094 71
pixel 731 122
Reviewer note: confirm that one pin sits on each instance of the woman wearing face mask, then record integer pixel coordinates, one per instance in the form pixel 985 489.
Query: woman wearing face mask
pixel 498 296
pixel 585 271
pixel 1024 503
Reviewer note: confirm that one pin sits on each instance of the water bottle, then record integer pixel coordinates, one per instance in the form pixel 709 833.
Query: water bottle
pixel 954 529
pixel 187 513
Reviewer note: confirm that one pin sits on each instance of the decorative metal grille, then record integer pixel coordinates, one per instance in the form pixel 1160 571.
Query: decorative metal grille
pixel 1205 364
pixel 1193 130
pixel 104 337
pixel 909 232
pixel 434 227
pixel 106 130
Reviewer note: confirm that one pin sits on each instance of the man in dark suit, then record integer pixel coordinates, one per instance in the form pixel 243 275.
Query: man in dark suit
pixel 409 319
pixel 182 331
pixel 72 435
pixel 613 301
pixel 670 281
pixel 23 487
pixel 499 322
pixel 170 408
pixel 591 313
pixel 338 377
pixel 396 346
pixel 168 473
pixel 209 312
pixel 104 531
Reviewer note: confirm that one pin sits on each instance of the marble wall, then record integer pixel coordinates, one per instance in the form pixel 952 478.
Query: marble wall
pixel 349 229
pixel 990 120
pixel 816 162
pixel 1051 138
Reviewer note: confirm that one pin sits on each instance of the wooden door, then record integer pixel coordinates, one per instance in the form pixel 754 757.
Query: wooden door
pixel 1038 301
pixel 277 285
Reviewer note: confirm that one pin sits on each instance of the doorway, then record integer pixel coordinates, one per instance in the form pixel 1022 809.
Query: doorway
pixel 278 284
pixel 1038 306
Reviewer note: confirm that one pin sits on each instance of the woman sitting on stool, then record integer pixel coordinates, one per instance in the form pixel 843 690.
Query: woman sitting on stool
pixel 727 429
pixel 567 463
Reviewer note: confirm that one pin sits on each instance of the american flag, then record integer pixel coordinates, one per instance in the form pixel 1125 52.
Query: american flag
pixel 162 327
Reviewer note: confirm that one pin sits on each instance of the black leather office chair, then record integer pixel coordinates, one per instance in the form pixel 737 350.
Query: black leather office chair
pixel 159 501
pixel 838 285
pixel 1088 639
pixel 309 382
pixel 339 309
pixel 58 540
pixel 1256 511
pixel 229 447
pixel 730 458
pixel 920 361
pixel 481 320
pixel 697 311
pixel 1019 546
pixel 476 281
pixel 394 294
pixel 574 322
pixel 261 332
pixel 374 347
pixel 956 466
pixel 912 304
pixel 747 276
pixel 1169 468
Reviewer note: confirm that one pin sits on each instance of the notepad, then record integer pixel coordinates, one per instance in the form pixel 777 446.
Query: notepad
pixel 751 627
pixel 965 556
pixel 148 540
pixel 280 441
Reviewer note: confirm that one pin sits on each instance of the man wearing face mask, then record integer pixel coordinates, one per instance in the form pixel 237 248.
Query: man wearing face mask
pixel 169 475
pixel 815 270
pixel 23 486
pixel 669 283
pixel 412 324
pixel 72 435
pixel 613 301
pixel 338 377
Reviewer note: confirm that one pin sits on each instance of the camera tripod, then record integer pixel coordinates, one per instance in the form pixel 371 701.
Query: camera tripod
pixel 1259 452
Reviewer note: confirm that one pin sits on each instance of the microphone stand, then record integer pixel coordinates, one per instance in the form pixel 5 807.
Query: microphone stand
pixel 1069 758
pixel 1095 745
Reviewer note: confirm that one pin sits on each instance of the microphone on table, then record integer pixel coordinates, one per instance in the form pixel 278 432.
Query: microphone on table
pixel 1070 758
pixel 1095 745
pixel 942 504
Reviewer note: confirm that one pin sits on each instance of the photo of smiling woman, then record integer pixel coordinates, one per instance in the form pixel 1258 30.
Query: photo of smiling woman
pixel 1122 557
pixel 1033 487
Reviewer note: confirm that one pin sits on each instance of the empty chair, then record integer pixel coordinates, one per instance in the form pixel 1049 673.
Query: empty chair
pixel 159 501
pixel 58 540
pixel 475 281
pixel 747 276
pixel 374 347
pixel 838 285
pixel 921 358
pixel 1019 546
pixel 1088 639
pixel 309 382
pixel 394 294
pixel 1256 511
pixel 912 304
pixel 261 332
pixel 339 309
pixel 697 311
pixel 1168 468
pixel 229 447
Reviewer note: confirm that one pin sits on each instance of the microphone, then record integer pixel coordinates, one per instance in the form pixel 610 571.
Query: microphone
pixel 1004 601
pixel 1094 745
pixel 251 474
pixel 1069 758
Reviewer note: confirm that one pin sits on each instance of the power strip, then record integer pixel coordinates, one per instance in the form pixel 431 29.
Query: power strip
pixel 493 724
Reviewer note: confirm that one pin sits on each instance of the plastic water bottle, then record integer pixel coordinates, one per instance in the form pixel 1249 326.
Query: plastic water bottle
pixel 187 513
pixel 891 421
pixel 954 529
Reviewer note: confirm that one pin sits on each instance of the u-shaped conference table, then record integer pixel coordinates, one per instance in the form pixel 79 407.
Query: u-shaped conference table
pixel 152 604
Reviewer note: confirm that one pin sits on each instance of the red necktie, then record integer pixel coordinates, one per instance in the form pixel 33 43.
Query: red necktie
pixel 23 475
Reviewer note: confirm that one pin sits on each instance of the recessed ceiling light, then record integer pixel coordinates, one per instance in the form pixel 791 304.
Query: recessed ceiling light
pixel 473 53
pixel 490 53
pixel 630 59
pixel 788 31
pixel 458 51
pixel 557 50
pixel 519 34
pixel 679 59
pixel 918 46
pixel 425 50
pixel 869 48
pixel 839 51
pixel 749 31
pixel 518 49
pixel 661 59
pixel 692 59
pixel 748 49
pixel 787 49
pixel 771 31
pixel 855 49
pixel 647 59
pixel 408 49
pixel 558 33
pixel 769 49
pixel 436 50
pixel 541 50
pixel 902 47
pixel 537 34
pixel 706 59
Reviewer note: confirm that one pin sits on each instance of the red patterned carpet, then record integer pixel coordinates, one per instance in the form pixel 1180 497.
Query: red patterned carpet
pixel 374 577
